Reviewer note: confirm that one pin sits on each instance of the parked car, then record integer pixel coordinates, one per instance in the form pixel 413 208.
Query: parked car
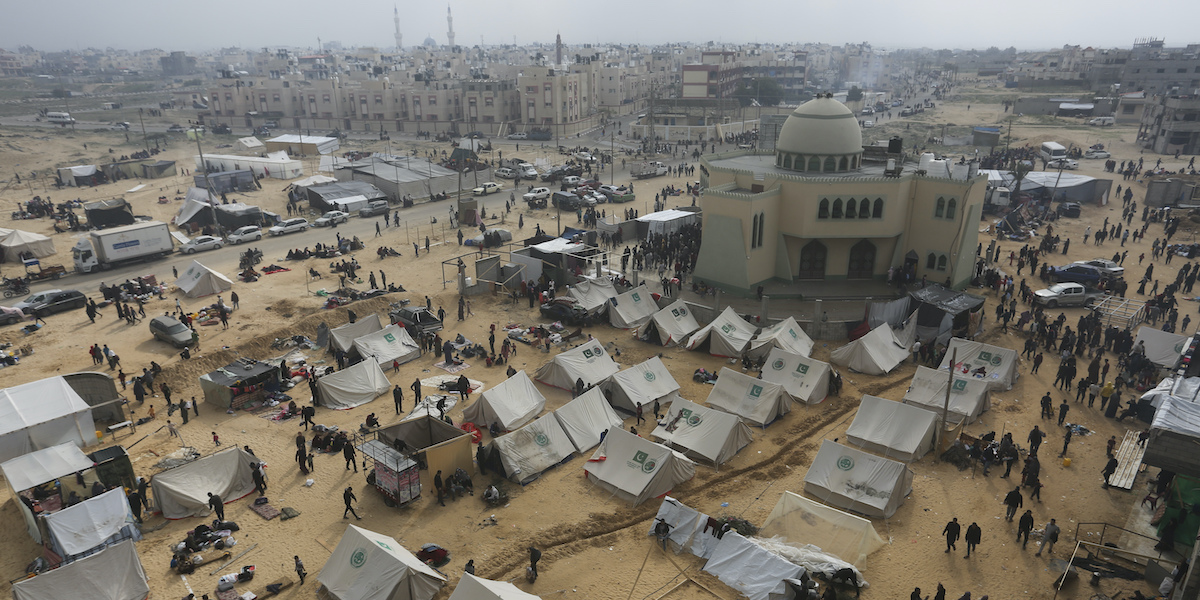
pixel 201 243
pixel 248 233
pixel 520 135
pixel 376 207
pixel 567 201
pixel 571 180
pixel 1077 274
pixel 1070 209
pixel 538 193
pixel 565 310
pixel 475 135
pixel 222 129
pixel 1105 265
pixel 1062 163
pixel 490 187
pixel 613 189
pixel 1097 154
pixel 34 299
pixel 868 124
pixel 59 301
pixel 176 128
pixel 171 330
pixel 262 130
pixel 332 217
pixel 417 319
pixel 585 156
pixel 1067 294
pixel 505 173
pixel 868 111
pixel 289 226
pixel 8 315
pixel 528 172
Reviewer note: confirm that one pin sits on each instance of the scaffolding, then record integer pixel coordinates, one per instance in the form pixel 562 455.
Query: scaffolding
pixel 1124 313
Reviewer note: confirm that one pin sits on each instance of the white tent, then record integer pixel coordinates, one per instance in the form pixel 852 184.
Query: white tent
pixel 874 354
pixel 342 338
pixel 198 280
pixel 19 241
pixel 250 143
pixel 589 362
pixel 804 378
pixel 1185 389
pixel 113 574
pixel 534 448
pixel 644 382
pixel 388 344
pixel 758 402
pixel 785 335
pixel 750 569
pixel 1162 348
pixel 969 397
pixel 43 413
pixel 372 566
pixel 38 467
pixel 702 432
pixel 593 294
pixel 669 326
pixel 471 587
pixel 636 469
pixel 586 417
pixel 513 403
pixel 632 309
pixel 97 521
pixel 999 365
pixel 353 386
pixel 849 478
pixel 67 175
pixel 727 335
pixel 183 491
pixel 892 429
pixel 799 521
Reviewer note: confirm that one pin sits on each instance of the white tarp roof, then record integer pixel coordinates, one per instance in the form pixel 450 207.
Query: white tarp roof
pixel 183 491
pixel 892 429
pixel 198 280
pixel 534 448
pixel 250 142
pixel 90 523
pixel 512 404
pixel 353 386
pixel 342 338
pixel 275 164
pixel 799 521
pixel 114 573
pixel 589 362
pixel 750 569
pixel 786 335
pixel 471 587
pixel 636 469
pixel 324 145
pixel 727 335
pixel 372 566
pixel 874 354
pixel 969 397
pixel 644 382
pixel 79 170
pixel 758 402
pixel 586 417
pixel 858 481
pixel 43 466
pixel 557 245
pixel 593 294
pixel 313 179
pixel 632 309
pixel 1186 389
pixel 702 432
pixel 41 414
pixel 666 215
pixel 388 344
pixel 671 325
pixel 26 241
pixel 806 379
pixel 1177 416
pixel 1162 348
pixel 999 364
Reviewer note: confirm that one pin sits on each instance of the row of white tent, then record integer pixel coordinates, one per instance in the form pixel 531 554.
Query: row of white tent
pixel 14 242
pixel 364 381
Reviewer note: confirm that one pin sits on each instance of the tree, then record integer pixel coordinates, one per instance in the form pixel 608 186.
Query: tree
pixel 766 90
pixel 854 95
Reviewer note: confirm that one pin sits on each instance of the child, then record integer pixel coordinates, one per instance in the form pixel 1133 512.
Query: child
pixel 216 439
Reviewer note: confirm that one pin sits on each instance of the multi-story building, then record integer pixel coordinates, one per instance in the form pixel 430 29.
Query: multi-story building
pixel 10 65
pixel 177 63
pixel 1158 70
pixel 717 75
pixel 1171 124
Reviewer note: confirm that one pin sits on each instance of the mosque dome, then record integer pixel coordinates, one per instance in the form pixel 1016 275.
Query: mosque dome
pixel 821 135
pixel 430 42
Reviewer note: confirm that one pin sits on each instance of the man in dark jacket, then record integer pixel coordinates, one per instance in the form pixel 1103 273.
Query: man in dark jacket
pixel 951 532
pixel 974 534
pixel 1024 526
pixel 1013 501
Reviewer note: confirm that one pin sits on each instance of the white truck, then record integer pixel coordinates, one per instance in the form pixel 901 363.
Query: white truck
pixel 60 118
pixel 106 248
pixel 648 169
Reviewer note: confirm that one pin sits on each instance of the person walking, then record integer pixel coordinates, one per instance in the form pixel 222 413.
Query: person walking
pixel 951 532
pixel 217 505
pixel 1014 500
pixel 1049 537
pixel 260 480
pixel 1047 406
pixel 1063 409
pixel 398 399
pixel 171 429
pixel 300 569
pixel 348 496
pixel 638 412
pixel 973 537
pixel 308 412
pixel 1035 439
pixel 1066 442
pixel 534 556
pixel 1109 469
pixel 1024 526
pixel 349 454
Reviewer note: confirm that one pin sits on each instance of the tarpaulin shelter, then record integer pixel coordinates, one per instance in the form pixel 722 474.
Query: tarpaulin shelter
pixel 703 433
pixel 994 365
pixel 92 525
pixel 115 573
pixel 471 587
pixel 512 404
pixel 353 386
pixel 644 382
pixel 969 396
pixel 238 382
pixel 1174 434
pixel 632 309
pixel 277 165
pixel 593 294
pixel 666 222
pixel 943 313
pixel 876 353
pixel 342 338
pixel 198 281
pixel 197 207
pixel 1162 348
pixel 786 335
pixel 806 379
pixel 533 448
pixel 757 401
pixel 586 417
pixel 306 145
pixel 367 565
pixel 159 169
pixel 250 143
pixel 728 335
pixel 223 182
pixel 80 175
pixel 669 326
pixel 31 470
pixel 892 429
pixel 799 521
pixel 636 469
pixel 1186 389
pixel 589 362
pixel 392 343
pixel 182 492
pixel 108 213
pixel 752 570
pixel 689 527
pixel 19 242
pixel 41 414
pixel 857 481
pixel 325 196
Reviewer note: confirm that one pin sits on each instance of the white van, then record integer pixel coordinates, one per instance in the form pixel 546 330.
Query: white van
pixel 1052 151
pixel 60 117
pixel 1102 121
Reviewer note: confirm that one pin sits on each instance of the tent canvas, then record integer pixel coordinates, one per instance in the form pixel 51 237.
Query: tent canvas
pixel 644 382
pixel 876 353
pixel 371 566
pixel 1186 389
pixel 785 335
pixel 586 417
pixel 97 521
pixel 799 520
pixel 941 313
pixel 41 414
pixel 727 335
pixel 512 404
pixel 703 432
pixel 804 378
pixel 471 587
pixel 42 466
pixel 198 280
pixel 969 396
pixel 636 469
pixel 857 481
pixel 19 241
pixel 353 386
pixel 758 402
pixel 999 364
pixel 752 570
pixel 669 326
pixel 632 309
pixel 1162 348
pixel 593 294
pixel 342 338
pixel 892 429
pixel 183 491
pixel 533 448
pixel 113 574
pixel 388 344
pixel 249 143
pixel 589 362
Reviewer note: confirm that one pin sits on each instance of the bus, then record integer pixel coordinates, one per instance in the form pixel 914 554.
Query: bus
pixel 1052 150
pixel 61 118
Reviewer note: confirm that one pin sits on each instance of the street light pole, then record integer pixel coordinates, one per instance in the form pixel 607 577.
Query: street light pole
pixel 145 140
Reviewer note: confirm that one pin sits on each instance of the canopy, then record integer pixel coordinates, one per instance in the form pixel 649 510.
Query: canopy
pixel 97 521
pixel 702 432
pixel 114 573
pixel 669 326
pixel 353 386
pixel 43 466
pixel 372 566
pixel 758 402
pixel 636 469
pixel 805 379
pixel 586 417
pixel 512 404
pixel 800 521
pixel 969 397
pixel 857 481
pixel 198 281
pixel 892 429
pixel 1162 348
pixel 471 587
pixel 42 414
pixel 876 353
pixel 1186 389
pixel 999 365
pixel 786 335
pixel 534 448
pixel 392 343
pixel 727 335
pixel 593 294
pixel 632 309
pixel 183 491
pixel 644 382
pixel 19 241
pixel 342 338
pixel 589 362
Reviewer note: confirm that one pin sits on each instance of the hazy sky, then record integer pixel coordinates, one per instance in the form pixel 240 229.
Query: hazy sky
pixel 193 26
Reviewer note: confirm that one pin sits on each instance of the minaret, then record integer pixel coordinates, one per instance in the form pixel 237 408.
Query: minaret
pixel 399 38
pixel 558 59
pixel 450 26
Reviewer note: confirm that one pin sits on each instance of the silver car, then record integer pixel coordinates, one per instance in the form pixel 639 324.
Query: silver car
pixel 249 233
pixel 289 226
pixel 201 243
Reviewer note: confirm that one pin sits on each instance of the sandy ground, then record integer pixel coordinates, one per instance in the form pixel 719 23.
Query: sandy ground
pixel 594 545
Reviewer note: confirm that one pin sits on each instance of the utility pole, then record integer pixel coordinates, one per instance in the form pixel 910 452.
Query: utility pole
pixel 145 140
pixel 650 115
pixel 946 406
pixel 207 182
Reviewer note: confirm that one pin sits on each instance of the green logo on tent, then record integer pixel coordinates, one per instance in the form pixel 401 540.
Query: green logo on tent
pixel 802 369
pixel 383 545
pixel 845 463
pixel 587 353
pixel 960 385
pixel 727 328
pixel 358 558
pixel 675 312
pixel 691 418
pixel 391 339
pixel 640 457
pixel 756 391
pixel 985 356
pixel 636 297
pixel 778 364
pixel 650 376
pixel 793 332
pixel 541 439
pixel 648 466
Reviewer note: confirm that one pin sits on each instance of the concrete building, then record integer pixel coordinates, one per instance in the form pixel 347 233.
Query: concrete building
pixel 1156 69
pixel 177 63
pixel 1171 124
pixel 717 75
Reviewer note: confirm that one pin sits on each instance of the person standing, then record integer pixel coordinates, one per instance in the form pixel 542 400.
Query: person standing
pixel 1047 406
pixel 974 535
pixel 217 505
pixel 171 429
pixel 1063 409
pixel 1109 469
pixel 951 531
pixel 1035 439
pixel 233 297
pixel 1024 526
pixel 439 487
pixel 1014 500
pixel 300 569
pixel 195 406
pixel 348 496
pixel 534 556
pixel 260 480
pixel 183 409
pixel 1066 442
pixel 416 388
pixel 638 411
pixel 398 399
pixel 349 454
pixel 135 505
pixel 1050 537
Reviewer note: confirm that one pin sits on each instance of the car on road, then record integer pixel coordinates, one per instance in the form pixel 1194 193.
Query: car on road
pixel 1097 154
pixel 907 112
pixel 1067 294
pixel 417 319
pixel 376 207
pixel 868 111
pixel 33 300
pixel 490 187
pixel 1070 209
pixel 59 301
pixel 505 173
pixel 868 124
pixel 122 126
pixel 565 310
pixel 585 156
pixel 332 217
pixel 1062 163
pixel 613 189
pixel 520 135
pixel 1077 274
pixel 248 233
pixel 590 196
pixel 176 128
pixel 262 130
pixel 201 243
pixel 528 172
pixel 170 330
pixel 289 226
pixel 537 193
pixel 475 135
pixel 571 180
pixel 222 129
pixel 1105 265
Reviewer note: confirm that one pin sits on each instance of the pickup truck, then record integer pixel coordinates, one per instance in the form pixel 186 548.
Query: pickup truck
pixel 1067 294
pixel 648 169
pixel 417 319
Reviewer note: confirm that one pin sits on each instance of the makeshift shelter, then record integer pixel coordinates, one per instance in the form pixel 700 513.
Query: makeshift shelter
pixel 92 525
pixel 969 397
pixel 644 382
pixel 392 343
pixel 1174 434
pixel 342 338
pixel 892 429
pixel 372 566
pixel 198 281
pixel 800 521
pixel 995 365
pixel 786 335
pixel 1162 348
pixel 115 573
pixel 353 386
pixel 275 164
pixel 108 213
pixel 857 481
pixel 250 143
pixel 471 587
pixel 758 402
pixel 28 471
pixel 240 383
pixel 80 176
pixel 876 353
pixel 593 294
pixel 534 448
pixel 512 404
pixel 728 335
pixel 1185 389
pixel 589 362
pixel 226 181
pixel 183 491
pixel 159 169
pixel 632 309
pixel 19 243
pixel 806 379
pixel 703 433
pixel 303 145
pixel 754 571
pixel 443 446
pixel 586 417
pixel 666 222
pixel 943 313
pixel 347 196
pixel 669 326
pixel 41 414
pixel 636 469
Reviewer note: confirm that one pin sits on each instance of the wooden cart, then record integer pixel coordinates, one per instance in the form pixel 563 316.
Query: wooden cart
pixel 395 476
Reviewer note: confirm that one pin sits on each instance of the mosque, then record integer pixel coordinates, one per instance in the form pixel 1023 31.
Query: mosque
pixel 812 211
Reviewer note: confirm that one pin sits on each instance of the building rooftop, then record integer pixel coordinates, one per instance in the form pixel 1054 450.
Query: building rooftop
pixel 764 164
